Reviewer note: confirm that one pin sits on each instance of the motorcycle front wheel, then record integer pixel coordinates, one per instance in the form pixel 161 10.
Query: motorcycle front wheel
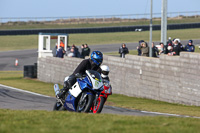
pixel 58 107
pixel 99 105
pixel 85 104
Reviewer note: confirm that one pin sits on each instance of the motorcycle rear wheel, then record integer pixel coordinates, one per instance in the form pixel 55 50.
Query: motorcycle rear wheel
pixel 100 102
pixel 86 105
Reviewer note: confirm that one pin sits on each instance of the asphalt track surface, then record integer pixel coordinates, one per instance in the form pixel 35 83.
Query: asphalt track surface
pixel 17 99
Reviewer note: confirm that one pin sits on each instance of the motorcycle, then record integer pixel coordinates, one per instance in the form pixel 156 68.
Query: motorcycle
pixel 100 101
pixel 81 95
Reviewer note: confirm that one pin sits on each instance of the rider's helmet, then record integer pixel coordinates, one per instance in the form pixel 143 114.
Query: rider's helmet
pixel 96 57
pixel 104 71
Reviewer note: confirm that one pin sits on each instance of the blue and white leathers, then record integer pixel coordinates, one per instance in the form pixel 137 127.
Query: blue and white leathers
pixel 83 92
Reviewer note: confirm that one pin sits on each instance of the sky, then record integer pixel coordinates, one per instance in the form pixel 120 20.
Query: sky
pixel 67 8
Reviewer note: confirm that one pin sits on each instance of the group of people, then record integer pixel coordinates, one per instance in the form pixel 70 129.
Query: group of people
pixel 72 51
pixel 173 47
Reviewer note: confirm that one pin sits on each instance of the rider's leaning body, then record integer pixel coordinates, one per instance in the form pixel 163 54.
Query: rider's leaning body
pixel 93 63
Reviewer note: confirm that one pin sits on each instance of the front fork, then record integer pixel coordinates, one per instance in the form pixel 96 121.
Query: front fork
pixel 95 101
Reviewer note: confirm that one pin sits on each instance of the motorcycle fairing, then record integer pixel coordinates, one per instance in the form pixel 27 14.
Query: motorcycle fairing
pixel 75 90
pixel 70 102
pixel 96 81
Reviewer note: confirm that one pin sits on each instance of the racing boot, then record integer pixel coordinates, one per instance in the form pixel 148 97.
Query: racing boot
pixel 61 94
pixel 63 91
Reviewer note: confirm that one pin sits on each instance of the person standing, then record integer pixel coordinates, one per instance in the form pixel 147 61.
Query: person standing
pixel 123 50
pixel 62 44
pixel 76 51
pixel 176 48
pixel 83 51
pixel 154 50
pixel 190 47
pixel 87 50
pixel 144 49
pixel 54 50
pixel 162 49
pixel 139 47
pixel 60 52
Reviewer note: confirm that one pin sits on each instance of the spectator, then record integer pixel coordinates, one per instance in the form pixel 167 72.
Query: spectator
pixel 54 50
pixel 139 47
pixel 83 54
pixel 87 50
pixel 155 51
pixel 62 44
pixel 173 41
pixel 71 53
pixel 180 45
pixel 76 51
pixel 144 49
pixel 190 47
pixel 169 41
pixel 176 47
pixel 123 50
pixel 162 49
pixel 60 52
pixel 170 50
pixel 68 50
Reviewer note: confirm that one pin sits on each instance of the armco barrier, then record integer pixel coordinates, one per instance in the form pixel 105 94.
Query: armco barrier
pixel 168 78
pixel 98 29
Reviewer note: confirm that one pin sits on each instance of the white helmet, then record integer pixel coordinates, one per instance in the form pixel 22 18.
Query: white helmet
pixel 105 71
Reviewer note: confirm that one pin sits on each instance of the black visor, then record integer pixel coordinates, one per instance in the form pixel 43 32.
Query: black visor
pixel 105 72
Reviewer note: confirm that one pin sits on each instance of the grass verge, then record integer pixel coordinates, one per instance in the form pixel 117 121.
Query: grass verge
pixel 20 42
pixel 15 79
pixel 43 25
pixel 51 122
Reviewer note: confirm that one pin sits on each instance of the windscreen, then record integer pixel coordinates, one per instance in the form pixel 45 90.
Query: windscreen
pixel 95 75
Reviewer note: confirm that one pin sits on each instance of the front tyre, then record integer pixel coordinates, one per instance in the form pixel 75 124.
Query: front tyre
pixel 99 106
pixel 85 104
pixel 58 107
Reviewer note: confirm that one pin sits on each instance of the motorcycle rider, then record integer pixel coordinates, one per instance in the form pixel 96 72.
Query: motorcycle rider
pixel 104 72
pixel 93 63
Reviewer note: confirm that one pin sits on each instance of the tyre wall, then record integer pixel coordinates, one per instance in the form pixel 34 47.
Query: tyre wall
pixel 174 79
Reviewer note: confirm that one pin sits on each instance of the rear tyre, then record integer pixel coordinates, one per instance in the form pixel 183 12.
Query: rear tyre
pixel 99 106
pixel 58 107
pixel 86 103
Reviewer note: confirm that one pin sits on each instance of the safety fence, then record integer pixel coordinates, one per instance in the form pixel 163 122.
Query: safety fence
pixel 98 29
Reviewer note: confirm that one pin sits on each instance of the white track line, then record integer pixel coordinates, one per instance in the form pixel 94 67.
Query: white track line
pixel 23 90
pixel 170 114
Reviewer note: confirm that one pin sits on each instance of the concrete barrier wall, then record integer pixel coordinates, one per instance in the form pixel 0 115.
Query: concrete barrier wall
pixel 174 79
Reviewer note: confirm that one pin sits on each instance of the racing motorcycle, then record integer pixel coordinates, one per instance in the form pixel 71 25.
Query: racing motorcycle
pixel 81 95
pixel 100 101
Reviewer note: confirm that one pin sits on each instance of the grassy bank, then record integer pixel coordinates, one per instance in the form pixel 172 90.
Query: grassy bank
pixel 15 79
pixel 51 122
pixel 31 41
pixel 46 25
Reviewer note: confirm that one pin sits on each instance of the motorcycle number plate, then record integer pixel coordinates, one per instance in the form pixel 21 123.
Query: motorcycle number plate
pixel 75 90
